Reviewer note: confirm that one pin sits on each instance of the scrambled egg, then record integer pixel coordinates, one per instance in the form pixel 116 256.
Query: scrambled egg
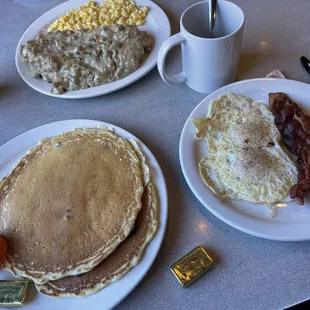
pixel 92 15
pixel 246 159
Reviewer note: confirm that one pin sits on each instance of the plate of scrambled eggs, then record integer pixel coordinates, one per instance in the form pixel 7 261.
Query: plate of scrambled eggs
pixel 235 162
pixel 87 48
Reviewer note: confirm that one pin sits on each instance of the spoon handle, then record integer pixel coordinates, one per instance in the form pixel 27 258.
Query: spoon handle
pixel 212 15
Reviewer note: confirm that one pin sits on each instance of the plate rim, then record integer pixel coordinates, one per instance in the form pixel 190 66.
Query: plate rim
pixel 108 87
pixel 162 196
pixel 213 210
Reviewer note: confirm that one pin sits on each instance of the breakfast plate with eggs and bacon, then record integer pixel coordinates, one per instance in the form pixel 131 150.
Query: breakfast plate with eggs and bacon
pixel 244 154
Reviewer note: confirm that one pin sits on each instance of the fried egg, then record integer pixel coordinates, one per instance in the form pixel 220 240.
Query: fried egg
pixel 246 159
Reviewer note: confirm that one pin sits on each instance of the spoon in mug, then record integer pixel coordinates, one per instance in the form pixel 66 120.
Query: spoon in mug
pixel 212 16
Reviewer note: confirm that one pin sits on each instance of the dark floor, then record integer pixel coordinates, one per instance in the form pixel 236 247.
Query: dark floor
pixel 303 306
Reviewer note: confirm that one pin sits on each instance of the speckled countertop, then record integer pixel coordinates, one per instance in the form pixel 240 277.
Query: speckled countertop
pixel 250 273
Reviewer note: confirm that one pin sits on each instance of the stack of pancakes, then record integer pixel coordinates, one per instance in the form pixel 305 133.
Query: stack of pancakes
pixel 77 212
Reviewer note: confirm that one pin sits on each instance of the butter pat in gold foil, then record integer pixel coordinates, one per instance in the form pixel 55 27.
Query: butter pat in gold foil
pixel 192 266
pixel 12 293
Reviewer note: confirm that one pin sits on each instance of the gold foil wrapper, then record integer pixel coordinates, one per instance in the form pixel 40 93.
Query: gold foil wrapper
pixel 12 293
pixel 191 266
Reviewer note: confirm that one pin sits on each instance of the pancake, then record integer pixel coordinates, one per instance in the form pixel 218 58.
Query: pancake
pixel 69 203
pixel 117 264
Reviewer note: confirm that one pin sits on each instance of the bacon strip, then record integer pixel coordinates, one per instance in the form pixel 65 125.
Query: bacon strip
pixel 294 127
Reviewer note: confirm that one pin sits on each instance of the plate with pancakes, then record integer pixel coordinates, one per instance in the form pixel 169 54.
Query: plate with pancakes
pixel 83 212
pixel 244 154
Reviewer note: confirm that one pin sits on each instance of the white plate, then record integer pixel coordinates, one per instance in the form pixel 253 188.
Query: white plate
pixel 157 24
pixel 111 295
pixel 291 223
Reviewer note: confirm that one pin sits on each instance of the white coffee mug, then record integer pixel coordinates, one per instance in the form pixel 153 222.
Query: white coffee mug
pixel 208 63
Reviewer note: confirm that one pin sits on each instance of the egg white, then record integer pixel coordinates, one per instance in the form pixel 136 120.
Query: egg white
pixel 246 159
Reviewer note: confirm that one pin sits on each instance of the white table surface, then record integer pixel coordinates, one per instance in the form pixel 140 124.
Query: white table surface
pixel 249 273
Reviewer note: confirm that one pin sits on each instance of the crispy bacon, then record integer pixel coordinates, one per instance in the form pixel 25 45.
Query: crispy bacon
pixel 294 127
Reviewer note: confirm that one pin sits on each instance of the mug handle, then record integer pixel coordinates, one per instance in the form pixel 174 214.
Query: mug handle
pixel 161 59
